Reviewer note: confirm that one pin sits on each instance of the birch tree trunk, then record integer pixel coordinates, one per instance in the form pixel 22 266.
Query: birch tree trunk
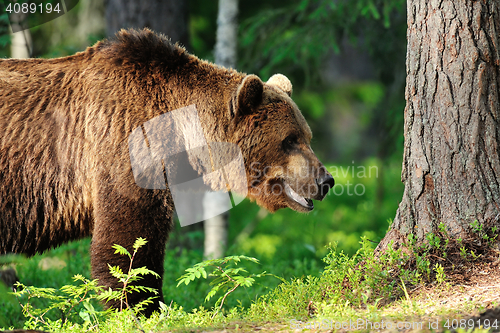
pixel 21 45
pixel 225 55
pixel 451 166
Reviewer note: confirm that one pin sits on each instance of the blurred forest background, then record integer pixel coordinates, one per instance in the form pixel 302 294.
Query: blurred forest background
pixel 346 60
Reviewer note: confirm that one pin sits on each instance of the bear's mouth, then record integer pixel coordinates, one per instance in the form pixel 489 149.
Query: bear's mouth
pixel 305 203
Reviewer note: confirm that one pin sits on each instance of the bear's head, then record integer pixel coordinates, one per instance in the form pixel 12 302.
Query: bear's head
pixel 282 169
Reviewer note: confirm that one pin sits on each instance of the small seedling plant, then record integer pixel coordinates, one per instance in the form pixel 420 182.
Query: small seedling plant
pixel 227 277
pixel 133 275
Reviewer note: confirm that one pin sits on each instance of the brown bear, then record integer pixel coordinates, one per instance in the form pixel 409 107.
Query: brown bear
pixel 65 169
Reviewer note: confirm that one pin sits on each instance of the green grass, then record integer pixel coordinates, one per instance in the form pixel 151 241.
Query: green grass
pixel 342 292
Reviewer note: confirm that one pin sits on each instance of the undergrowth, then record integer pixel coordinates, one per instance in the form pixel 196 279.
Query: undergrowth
pixel 353 287
pixel 443 256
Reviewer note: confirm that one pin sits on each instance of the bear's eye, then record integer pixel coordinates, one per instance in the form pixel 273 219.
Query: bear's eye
pixel 290 142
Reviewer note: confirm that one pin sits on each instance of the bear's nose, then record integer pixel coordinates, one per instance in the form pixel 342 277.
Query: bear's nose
pixel 325 183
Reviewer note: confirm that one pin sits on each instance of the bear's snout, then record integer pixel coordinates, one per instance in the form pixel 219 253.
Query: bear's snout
pixel 324 182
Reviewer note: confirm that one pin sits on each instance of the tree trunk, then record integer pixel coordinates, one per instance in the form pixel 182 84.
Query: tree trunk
pixel 227 33
pixel 21 45
pixel 451 166
pixel 225 55
pixel 167 16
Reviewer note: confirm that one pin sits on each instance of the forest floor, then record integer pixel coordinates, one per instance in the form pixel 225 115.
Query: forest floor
pixel 468 301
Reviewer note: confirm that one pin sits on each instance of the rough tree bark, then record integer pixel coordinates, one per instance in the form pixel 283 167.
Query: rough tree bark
pixel 167 16
pixel 451 166
pixel 225 55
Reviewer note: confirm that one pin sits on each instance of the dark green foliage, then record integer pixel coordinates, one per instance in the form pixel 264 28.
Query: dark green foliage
pixel 71 303
pixel 4 32
pixel 295 38
pixel 303 32
pixel 202 27
pixel 226 277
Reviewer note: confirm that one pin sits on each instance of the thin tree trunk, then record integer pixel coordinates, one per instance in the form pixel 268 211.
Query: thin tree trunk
pixel 227 33
pixel 21 45
pixel 225 55
pixel 451 166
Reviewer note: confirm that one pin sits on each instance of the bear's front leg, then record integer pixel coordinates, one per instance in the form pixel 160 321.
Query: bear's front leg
pixel 121 220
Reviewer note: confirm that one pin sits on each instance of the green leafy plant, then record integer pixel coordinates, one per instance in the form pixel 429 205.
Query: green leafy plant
pixel 72 302
pixel 64 306
pixel 493 238
pixel 474 255
pixel 372 279
pixel 133 275
pixel 411 240
pixel 440 274
pixel 226 277
pixel 489 235
pixel 434 241
pixel 477 227
pixel 442 228
pixel 423 264
pixel 463 252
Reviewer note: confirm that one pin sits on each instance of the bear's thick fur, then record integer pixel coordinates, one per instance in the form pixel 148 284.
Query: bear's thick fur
pixel 65 170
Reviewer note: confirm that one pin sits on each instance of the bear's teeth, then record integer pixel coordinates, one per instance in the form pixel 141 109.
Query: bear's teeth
pixel 295 196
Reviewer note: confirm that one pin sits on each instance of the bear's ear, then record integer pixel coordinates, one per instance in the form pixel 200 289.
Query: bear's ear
pixel 282 82
pixel 249 94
